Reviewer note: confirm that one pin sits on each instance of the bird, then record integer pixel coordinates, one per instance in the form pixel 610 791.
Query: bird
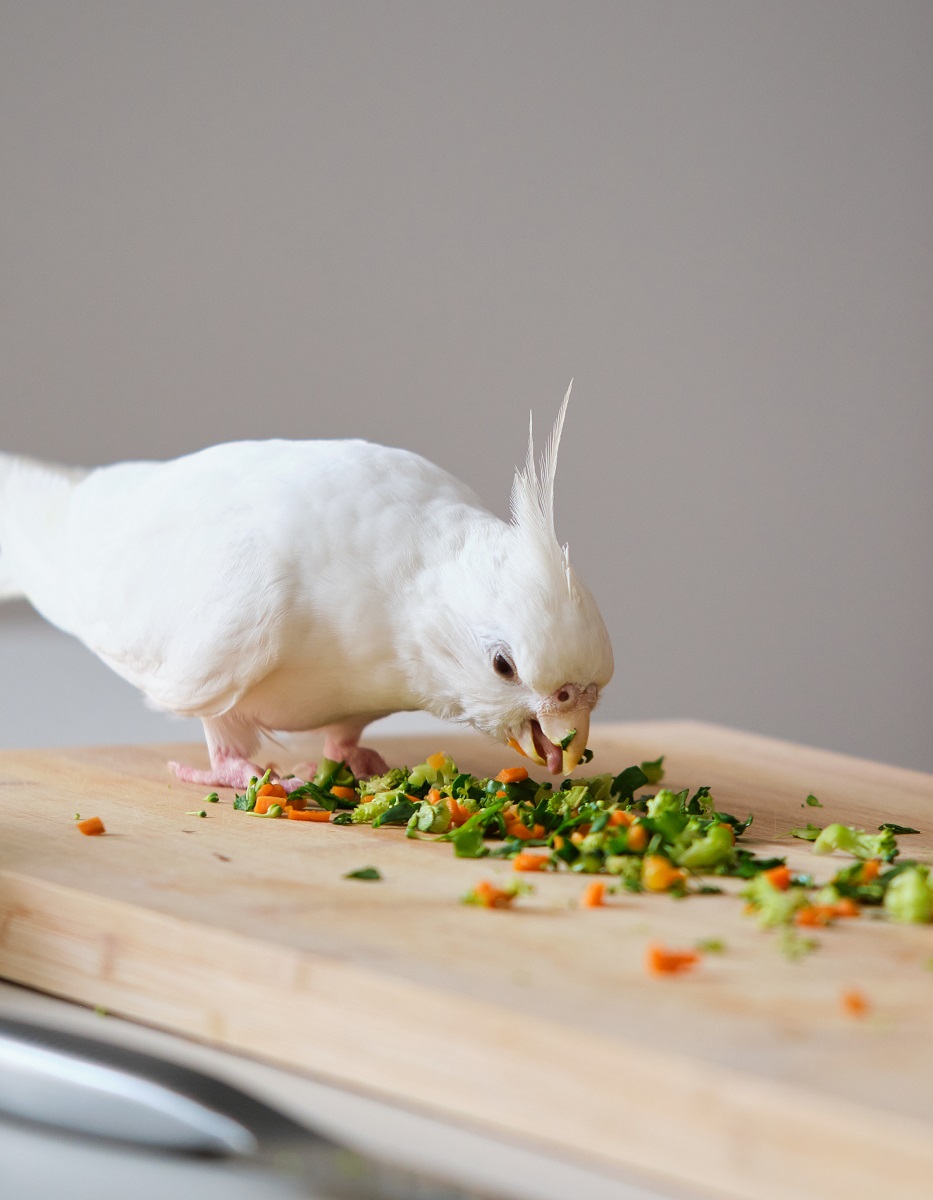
pixel 280 586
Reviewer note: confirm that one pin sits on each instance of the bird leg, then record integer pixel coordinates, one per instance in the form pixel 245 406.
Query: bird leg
pixel 230 742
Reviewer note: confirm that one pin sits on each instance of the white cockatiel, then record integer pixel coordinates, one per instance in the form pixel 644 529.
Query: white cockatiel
pixel 314 585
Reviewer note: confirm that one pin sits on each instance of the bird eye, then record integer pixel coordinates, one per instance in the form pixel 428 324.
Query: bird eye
pixel 503 667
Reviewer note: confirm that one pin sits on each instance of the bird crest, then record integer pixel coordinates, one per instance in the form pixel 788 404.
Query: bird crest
pixel 532 501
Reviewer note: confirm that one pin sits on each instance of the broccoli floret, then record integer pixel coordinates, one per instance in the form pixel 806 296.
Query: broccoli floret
pixel 366 813
pixel 628 867
pixel 857 842
pixel 909 896
pixel 390 782
pixel 774 906
pixel 431 818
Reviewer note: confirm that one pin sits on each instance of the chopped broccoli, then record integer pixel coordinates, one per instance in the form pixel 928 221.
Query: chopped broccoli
pixel 857 842
pixel 367 812
pixel 390 782
pixel 774 906
pixel 909 896
pixel 712 849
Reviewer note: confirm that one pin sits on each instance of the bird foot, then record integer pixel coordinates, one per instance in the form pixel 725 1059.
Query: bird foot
pixel 229 772
pixel 364 763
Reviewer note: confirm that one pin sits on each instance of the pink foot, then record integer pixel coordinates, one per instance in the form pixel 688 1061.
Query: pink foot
pixel 362 762
pixel 229 772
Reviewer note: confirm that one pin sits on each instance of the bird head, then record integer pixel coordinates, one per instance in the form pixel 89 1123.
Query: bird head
pixel 519 647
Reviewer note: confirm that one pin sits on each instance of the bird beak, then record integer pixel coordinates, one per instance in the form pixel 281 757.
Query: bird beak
pixel 558 727
pixel 540 739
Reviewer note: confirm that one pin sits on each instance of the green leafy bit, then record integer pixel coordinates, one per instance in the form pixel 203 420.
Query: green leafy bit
pixel 398 813
pixel 247 802
pixel 897 830
pixel 809 833
pixel 211 798
pixel 773 906
pixel 565 741
pixel 711 946
pixel 653 770
pixel 856 842
pixel 909 896
pixel 813 802
pixel 364 873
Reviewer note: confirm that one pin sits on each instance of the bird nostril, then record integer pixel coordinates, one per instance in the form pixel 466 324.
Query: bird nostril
pixel 563 696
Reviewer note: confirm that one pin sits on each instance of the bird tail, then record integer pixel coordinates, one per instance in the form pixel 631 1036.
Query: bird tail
pixel 26 486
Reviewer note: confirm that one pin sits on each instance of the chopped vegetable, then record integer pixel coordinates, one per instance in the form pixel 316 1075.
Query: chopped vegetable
pixel 658 874
pixel 660 961
pixel 897 829
pixel 486 895
pixel 856 842
pixel 809 833
pixel 211 798
pixel 909 896
pixel 91 826
pixel 813 802
pixel 854 1003
pixel 307 814
pixel 711 946
pixel 196 812
pixel 593 895
pixel 653 771
pixel 364 873
pixel 527 860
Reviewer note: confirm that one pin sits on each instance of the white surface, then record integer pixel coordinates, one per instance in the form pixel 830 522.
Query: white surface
pixel 412 1138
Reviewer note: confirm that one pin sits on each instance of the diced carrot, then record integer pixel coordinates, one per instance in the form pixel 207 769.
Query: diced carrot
pixel 778 877
pixel 273 789
pixel 870 870
pixel 518 830
pixel 306 814
pixel 433 796
pixel 621 817
pixel 527 860
pixel 437 760
pixel 593 895
pixel 559 841
pixel 345 793
pixel 492 897
pixel 516 746
pixel 658 874
pixel 501 795
pixel 92 826
pixel 298 802
pixel 458 814
pixel 815 914
pixel 846 907
pixel 511 775
pixel 854 1003
pixel 637 836
pixel 661 961
pixel 264 803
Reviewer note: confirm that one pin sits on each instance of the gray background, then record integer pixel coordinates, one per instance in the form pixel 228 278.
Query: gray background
pixel 415 221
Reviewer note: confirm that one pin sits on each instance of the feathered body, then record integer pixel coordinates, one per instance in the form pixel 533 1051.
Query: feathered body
pixel 282 585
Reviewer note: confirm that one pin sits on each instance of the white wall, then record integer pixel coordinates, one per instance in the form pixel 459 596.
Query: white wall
pixel 415 221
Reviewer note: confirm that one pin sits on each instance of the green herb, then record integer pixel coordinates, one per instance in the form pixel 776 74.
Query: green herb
pixel 627 783
pixel 897 829
pixel 247 802
pixel 813 802
pixel 196 812
pixel 711 946
pixel 364 873
pixel 211 798
pixel 653 770
pixel 397 814
pixel 565 741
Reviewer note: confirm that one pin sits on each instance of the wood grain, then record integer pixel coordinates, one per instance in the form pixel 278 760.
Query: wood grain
pixel 745 1078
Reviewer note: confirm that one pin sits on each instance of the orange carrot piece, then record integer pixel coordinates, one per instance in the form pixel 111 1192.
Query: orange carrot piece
pixel 527 860
pixel 492 897
pixel 637 836
pixel 92 826
pixel 815 914
pixel 593 895
pixel 433 796
pixel 273 789
pixel 511 775
pixel 658 874
pixel 345 793
pixel 854 1003
pixel 778 877
pixel 517 830
pixel 870 870
pixel 661 961
pixel 621 817
pixel 516 746
pixel 306 814
pixel 846 907
pixel 298 802
pixel 437 760
pixel 264 803
pixel 458 814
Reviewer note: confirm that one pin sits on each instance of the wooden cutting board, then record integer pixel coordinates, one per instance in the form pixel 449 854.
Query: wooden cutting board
pixel 744 1078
